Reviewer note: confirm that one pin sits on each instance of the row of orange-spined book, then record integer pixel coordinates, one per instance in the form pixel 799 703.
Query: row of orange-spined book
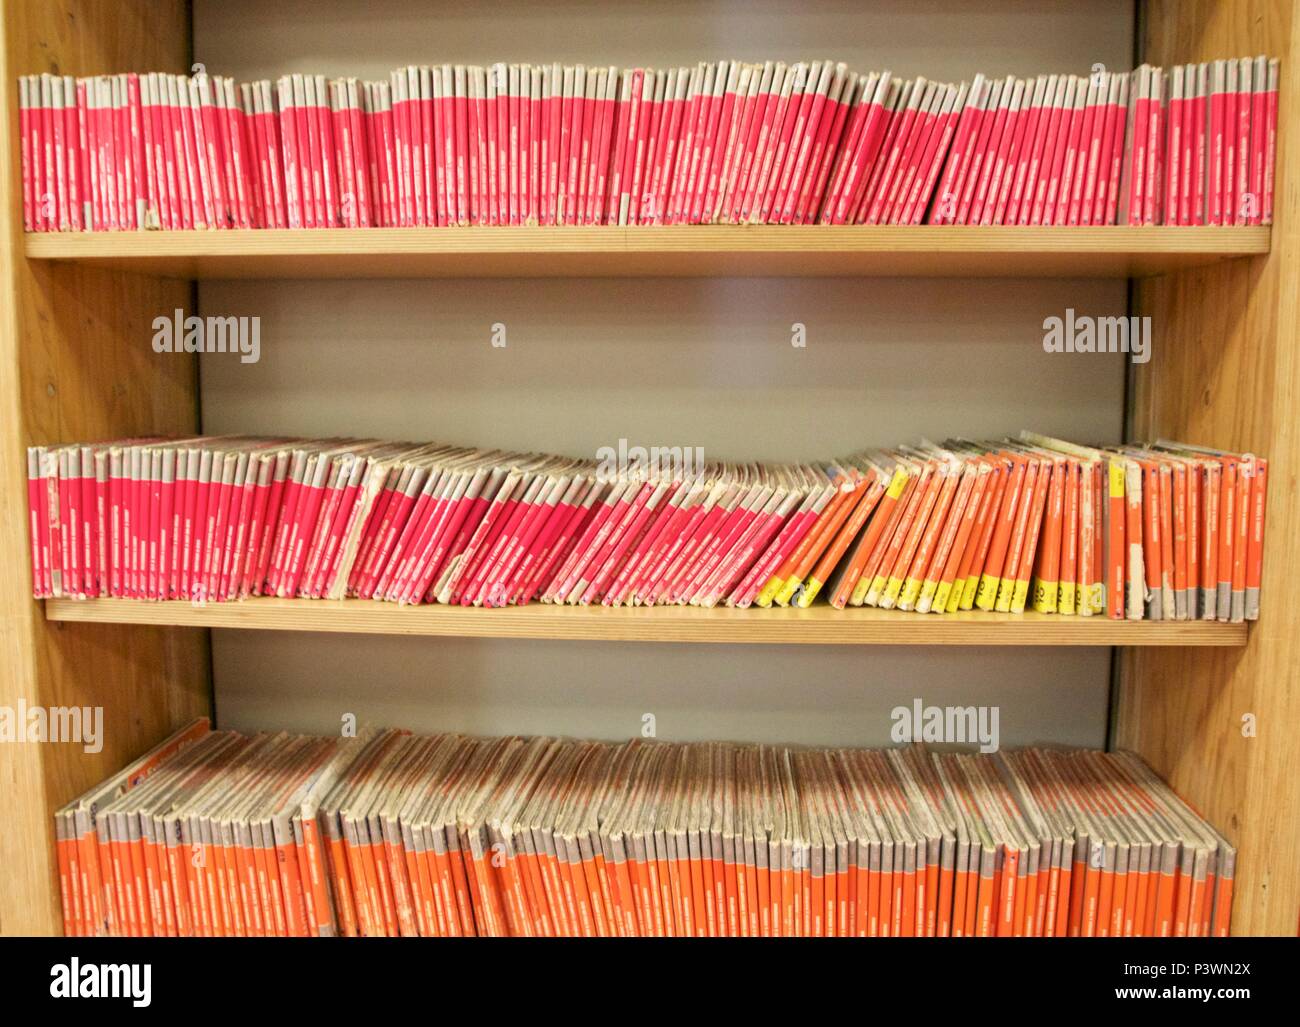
pixel 1162 532
pixel 390 833
pixel 722 142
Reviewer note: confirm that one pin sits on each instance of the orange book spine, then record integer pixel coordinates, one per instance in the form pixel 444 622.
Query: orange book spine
pixel 1255 543
pixel 1004 524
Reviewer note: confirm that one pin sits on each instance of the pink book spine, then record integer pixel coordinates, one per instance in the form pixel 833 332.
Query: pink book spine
pixel 89 170
pixel 332 192
pixel 180 152
pixel 101 522
pixel 1218 102
pixel 532 534
pixel 1053 143
pixel 638 576
pixel 759 125
pixel 875 179
pixel 151 522
pixel 1173 144
pixel 1085 174
pixel 25 134
pixel 270 526
pixel 790 535
pixel 618 555
pixel 237 534
pixel 362 161
pixel 443 128
pixel 312 165
pixel 1155 155
pixel 1244 205
pixel 925 126
pixel 403 547
pixel 1230 158
pixel 369 531
pixel 1270 145
pixel 483 583
pixel 303 150
pixel 1096 213
pixel 1060 174
pixel 681 567
pixel 712 142
pixel 378 532
pixel 1258 131
pixel 189 531
pixel 332 551
pixel 782 138
pixel 630 574
pixel 931 166
pixel 285 524
pixel 427 524
pixel 459 521
pixel 343 156
pixel 565 574
pixel 292 174
pixel 312 524
pixel 542 577
pixel 1117 157
pixel 36 524
pixel 460 143
pixel 175 589
pixel 693 120
pixel 598 559
pixel 736 526
pixel 618 146
pixel 70 521
pixel 830 130
pixel 72 150
pixel 807 155
pixel 866 161
pixel 485 546
pixel 494 513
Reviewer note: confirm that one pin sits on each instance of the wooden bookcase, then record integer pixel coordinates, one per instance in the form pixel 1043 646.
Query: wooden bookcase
pixel 1226 372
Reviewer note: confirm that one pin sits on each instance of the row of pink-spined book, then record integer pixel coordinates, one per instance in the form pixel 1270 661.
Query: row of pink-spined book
pixel 1161 532
pixel 729 142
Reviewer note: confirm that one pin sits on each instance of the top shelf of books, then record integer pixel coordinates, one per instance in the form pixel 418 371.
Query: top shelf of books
pixel 691 251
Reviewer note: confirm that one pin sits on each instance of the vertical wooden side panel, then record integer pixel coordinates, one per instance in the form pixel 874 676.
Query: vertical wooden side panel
pixel 1226 372
pixel 76 363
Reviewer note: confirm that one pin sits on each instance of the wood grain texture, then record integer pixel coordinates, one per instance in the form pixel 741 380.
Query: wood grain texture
pixel 668 251
pixel 77 363
pixel 819 625
pixel 1226 372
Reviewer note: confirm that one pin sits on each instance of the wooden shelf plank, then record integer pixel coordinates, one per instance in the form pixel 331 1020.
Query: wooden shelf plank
pixel 671 251
pixel 820 625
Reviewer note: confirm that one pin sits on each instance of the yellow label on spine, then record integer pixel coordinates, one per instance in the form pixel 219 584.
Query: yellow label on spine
pixel 766 596
pixel 987 593
pixel 968 592
pixel 1116 480
pixel 1005 587
pixel 1019 596
pixel 941 596
pixel 895 586
pixel 1097 597
pixel 787 591
pixel 809 593
pixel 896 484
pixel 911 590
pixel 859 592
pixel 1065 597
pixel 1044 596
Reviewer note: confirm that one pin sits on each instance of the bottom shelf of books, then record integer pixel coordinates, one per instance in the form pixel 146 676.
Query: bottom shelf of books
pixel 391 833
